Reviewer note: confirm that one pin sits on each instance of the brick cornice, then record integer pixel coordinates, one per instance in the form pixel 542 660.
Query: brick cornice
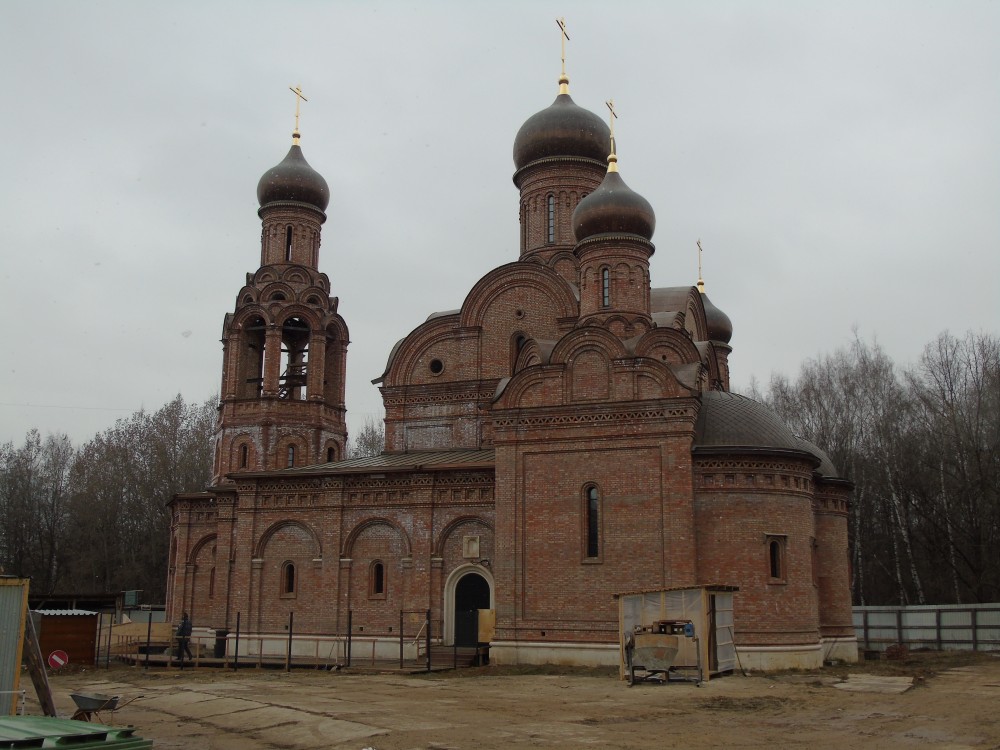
pixel 584 415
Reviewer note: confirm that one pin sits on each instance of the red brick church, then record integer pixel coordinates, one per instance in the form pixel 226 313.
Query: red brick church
pixel 566 435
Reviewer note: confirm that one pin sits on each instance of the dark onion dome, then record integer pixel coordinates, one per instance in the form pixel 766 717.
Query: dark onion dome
pixel 293 180
pixel 728 422
pixel 613 208
pixel 720 327
pixel 563 129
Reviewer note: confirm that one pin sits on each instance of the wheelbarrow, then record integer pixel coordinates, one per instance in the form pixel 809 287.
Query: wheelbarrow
pixel 651 653
pixel 649 656
pixel 90 705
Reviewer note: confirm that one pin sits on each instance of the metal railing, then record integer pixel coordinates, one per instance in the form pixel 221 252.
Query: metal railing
pixel 233 649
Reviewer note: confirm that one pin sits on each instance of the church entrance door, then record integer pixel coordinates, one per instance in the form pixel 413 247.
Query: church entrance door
pixel 472 593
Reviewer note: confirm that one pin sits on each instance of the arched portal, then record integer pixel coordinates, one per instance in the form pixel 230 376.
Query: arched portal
pixel 469 589
pixel 471 595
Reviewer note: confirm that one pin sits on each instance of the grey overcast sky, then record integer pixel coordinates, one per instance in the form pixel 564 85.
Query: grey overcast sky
pixel 838 160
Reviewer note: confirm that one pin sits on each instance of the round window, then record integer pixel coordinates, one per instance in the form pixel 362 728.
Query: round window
pixel 437 367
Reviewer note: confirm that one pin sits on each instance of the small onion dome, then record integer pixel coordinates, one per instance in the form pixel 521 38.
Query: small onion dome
pixel 614 207
pixel 720 327
pixel 563 129
pixel 293 180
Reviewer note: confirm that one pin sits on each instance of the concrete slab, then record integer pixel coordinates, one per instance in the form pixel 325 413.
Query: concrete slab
pixel 261 717
pixel 205 707
pixel 327 733
pixel 871 683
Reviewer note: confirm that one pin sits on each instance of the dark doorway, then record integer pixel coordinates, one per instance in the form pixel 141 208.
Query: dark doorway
pixel 471 594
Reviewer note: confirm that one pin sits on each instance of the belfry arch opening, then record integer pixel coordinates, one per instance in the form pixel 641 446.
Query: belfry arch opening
pixel 252 358
pixel 292 384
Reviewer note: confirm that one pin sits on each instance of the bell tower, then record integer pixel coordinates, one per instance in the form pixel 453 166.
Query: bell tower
pixel 284 345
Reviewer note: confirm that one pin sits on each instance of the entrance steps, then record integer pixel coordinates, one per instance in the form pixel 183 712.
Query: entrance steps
pixel 457 657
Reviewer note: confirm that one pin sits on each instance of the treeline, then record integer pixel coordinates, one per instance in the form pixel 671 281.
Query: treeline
pixel 94 519
pixel 922 446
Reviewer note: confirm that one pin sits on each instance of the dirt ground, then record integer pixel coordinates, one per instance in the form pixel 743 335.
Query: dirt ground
pixel 954 703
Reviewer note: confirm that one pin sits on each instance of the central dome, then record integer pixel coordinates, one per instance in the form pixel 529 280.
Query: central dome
pixel 295 181
pixel 562 129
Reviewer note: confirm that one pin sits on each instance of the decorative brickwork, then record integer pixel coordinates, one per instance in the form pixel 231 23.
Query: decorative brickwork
pixel 565 435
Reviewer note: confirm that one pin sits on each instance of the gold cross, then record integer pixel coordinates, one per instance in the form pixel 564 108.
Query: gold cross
pixel 563 38
pixel 701 284
pixel 299 98
pixel 611 119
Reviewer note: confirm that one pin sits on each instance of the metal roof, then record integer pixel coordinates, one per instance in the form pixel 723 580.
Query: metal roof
pixel 728 420
pixel 412 461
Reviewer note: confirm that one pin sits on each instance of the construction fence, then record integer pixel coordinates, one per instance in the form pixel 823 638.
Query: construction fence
pixel 948 627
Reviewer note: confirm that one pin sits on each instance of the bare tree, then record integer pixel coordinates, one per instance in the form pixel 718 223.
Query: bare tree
pixel 370 440
pixel 121 484
pixel 923 449
pixel 957 386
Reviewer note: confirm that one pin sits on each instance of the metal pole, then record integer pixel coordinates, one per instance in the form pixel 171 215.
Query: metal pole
pixel 107 660
pixel 288 655
pixel 400 639
pixel 149 636
pixel 427 651
pixel 350 628
pixel 236 648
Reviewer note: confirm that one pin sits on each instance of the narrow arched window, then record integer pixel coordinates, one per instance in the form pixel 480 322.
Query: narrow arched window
pixel 776 564
pixel 291 456
pixel 524 225
pixel 592 512
pixel 288 243
pixel 288 579
pixel 552 219
pixel 244 456
pixel 605 287
pixel 330 454
pixel 376 579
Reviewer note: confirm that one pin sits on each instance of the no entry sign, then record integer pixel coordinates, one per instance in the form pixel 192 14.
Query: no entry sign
pixel 58 659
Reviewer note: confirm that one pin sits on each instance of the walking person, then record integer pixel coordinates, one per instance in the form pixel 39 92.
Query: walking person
pixel 184 639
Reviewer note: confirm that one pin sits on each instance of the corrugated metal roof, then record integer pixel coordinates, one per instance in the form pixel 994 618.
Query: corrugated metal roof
pixel 13 602
pixel 64 612
pixel 412 461
pixel 45 731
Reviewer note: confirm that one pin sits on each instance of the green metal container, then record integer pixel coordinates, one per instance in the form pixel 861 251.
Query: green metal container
pixel 44 732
